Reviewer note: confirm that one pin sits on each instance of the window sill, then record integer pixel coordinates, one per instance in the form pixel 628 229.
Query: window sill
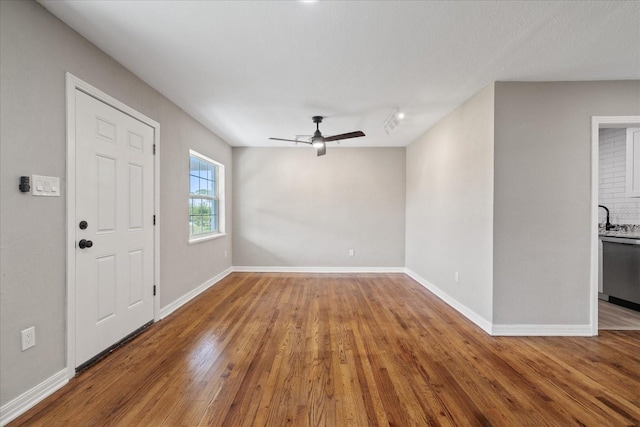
pixel 200 239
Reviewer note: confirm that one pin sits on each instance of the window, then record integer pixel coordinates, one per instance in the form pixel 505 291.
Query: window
pixel 206 198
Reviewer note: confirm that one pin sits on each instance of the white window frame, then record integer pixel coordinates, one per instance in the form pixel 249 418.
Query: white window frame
pixel 220 191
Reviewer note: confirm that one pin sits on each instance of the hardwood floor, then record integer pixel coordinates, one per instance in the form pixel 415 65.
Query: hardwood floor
pixel 343 350
pixel 615 317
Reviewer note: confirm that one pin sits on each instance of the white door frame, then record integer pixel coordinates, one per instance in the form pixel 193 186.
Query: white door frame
pixel 596 123
pixel 72 84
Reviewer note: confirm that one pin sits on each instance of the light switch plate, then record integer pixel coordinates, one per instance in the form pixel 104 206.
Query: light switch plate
pixel 45 186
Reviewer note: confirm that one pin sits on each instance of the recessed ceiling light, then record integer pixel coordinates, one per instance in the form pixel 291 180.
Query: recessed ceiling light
pixel 400 116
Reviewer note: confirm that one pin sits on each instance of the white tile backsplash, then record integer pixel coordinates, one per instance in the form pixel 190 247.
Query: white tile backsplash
pixel 612 177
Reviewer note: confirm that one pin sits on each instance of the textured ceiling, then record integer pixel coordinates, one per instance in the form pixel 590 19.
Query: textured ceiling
pixel 249 70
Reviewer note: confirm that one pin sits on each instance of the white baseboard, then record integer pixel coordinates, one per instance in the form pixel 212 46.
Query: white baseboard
pixel 27 400
pixel 504 330
pixel 170 308
pixel 542 330
pixel 483 323
pixel 269 269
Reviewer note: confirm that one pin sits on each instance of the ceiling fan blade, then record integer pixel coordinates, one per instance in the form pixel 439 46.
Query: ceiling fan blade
pixel 291 140
pixel 322 150
pixel 344 136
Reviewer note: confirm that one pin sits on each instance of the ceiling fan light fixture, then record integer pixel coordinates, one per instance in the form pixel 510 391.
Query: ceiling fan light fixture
pixel 318 142
pixel 321 148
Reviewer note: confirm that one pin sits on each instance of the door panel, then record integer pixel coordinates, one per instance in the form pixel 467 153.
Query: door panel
pixel 136 190
pixel 136 274
pixel 114 194
pixel 106 189
pixel 106 287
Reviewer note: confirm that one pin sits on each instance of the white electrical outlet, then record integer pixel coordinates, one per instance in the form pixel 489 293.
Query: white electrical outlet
pixel 456 276
pixel 225 254
pixel 28 338
pixel 351 252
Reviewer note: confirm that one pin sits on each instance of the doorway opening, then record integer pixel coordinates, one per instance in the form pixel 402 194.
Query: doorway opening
pixel 603 314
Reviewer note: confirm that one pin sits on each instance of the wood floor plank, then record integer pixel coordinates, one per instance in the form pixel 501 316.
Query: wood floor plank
pixel 615 317
pixel 345 350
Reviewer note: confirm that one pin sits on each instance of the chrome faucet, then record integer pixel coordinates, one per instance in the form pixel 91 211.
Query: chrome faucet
pixel 608 226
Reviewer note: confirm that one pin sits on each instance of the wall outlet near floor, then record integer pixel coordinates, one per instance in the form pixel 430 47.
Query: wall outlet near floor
pixel 456 277
pixel 225 254
pixel 351 252
pixel 28 338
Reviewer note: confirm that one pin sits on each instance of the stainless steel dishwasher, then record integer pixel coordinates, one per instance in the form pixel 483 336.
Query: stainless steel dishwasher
pixel 621 270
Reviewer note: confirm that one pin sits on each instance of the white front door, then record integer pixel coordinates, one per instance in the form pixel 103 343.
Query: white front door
pixel 114 196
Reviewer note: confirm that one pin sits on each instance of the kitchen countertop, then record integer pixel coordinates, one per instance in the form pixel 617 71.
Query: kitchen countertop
pixel 620 236
pixel 625 231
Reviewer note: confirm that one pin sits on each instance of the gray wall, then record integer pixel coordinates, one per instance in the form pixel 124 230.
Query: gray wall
pixel 36 50
pixel 543 196
pixel 292 208
pixel 450 204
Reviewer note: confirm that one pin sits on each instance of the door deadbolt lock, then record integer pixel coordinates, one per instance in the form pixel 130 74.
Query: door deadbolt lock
pixel 83 225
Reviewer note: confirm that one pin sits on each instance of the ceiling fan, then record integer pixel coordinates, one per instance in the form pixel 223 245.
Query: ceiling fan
pixel 319 141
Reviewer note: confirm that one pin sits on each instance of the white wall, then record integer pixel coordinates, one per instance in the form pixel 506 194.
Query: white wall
pixel 294 209
pixel 36 50
pixel 613 179
pixel 450 204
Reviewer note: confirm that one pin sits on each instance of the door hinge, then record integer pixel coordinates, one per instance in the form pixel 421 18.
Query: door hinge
pixel 154 220
pixel 154 290
pixel 154 149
